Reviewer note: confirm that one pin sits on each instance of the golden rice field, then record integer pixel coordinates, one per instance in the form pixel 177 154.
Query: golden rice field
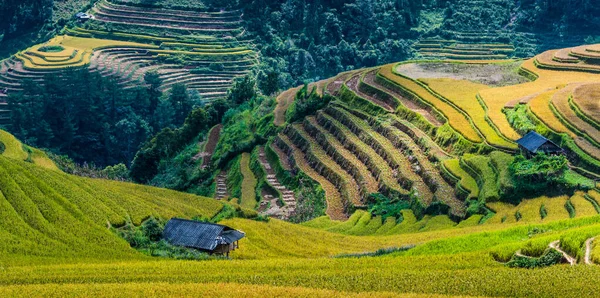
pixel 72 253
pixel 457 120
pixel 585 98
pixel 77 52
pixel 464 95
pixel 54 228
pixel 496 98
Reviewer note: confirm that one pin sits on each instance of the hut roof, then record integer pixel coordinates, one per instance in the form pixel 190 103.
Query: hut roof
pixel 200 235
pixel 532 141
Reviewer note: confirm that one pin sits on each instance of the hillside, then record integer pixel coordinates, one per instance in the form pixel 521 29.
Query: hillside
pixel 360 148
pixel 56 240
pixel 435 137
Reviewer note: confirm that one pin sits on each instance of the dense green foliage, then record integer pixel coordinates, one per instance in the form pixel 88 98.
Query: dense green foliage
pixel 91 118
pixel 549 258
pixel 385 207
pixel 538 174
pixel 307 103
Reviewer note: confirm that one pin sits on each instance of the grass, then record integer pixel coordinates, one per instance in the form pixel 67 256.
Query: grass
pixel 582 206
pixel 464 95
pixel 457 120
pixel 248 184
pixel 466 181
pixel 479 166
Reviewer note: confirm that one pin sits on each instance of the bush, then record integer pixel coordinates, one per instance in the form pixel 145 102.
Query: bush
pixel 51 49
pixel 549 258
pixel 306 103
pixel 380 205
pixel 538 174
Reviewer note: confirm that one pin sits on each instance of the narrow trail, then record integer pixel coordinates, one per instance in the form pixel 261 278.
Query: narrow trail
pixel 588 251
pixel 287 196
pixel 211 145
pixel 556 245
pixel 221 181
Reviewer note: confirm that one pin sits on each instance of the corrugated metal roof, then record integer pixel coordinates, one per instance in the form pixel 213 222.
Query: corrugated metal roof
pixel 200 235
pixel 532 141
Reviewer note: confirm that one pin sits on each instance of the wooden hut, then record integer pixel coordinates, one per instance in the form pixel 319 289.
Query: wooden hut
pixel 204 236
pixel 533 143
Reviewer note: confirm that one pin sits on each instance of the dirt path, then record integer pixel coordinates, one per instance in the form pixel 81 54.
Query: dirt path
pixel 287 195
pixel 221 191
pixel 209 148
pixel 588 251
pixel 556 245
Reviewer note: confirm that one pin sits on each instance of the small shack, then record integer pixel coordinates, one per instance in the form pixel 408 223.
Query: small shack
pixel 533 143
pixel 204 236
pixel 82 16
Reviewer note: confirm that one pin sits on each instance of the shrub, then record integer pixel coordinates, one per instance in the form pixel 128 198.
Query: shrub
pixel 380 205
pixel 51 49
pixel 549 258
pixel 306 103
pixel 538 174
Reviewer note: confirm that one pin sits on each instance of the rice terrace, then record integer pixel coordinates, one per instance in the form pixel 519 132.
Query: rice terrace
pixel 169 148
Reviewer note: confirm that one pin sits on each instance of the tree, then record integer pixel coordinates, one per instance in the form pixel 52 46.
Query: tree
pixel 180 101
pixel 270 84
pixel 243 89
pixel 153 83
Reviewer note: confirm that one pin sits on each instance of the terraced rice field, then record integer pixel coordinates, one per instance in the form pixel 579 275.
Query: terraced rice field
pixel 585 99
pixel 284 100
pixel 464 95
pixel 334 198
pixel 562 108
pixel 464 46
pixel 55 241
pixel 141 41
pixel 467 182
pixel 456 119
pixel 269 203
pixel 529 211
